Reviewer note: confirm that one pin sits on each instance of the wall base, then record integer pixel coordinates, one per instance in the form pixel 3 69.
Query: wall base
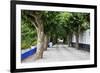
pixel 82 46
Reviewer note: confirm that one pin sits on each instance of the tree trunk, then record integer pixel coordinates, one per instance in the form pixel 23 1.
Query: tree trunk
pixel 56 39
pixel 77 40
pixel 38 23
pixel 45 42
pixel 64 40
pixel 68 40
pixel 40 45
pixel 53 41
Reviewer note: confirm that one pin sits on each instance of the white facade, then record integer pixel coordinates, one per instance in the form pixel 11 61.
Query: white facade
pixel 84 37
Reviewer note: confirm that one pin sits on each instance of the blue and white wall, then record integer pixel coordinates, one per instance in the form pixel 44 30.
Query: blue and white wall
pixel 84 40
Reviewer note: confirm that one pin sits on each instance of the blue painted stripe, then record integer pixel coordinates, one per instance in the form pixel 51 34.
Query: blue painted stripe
pixel 28 53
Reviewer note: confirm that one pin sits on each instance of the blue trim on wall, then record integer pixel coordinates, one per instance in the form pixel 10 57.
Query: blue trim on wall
pixel 28 53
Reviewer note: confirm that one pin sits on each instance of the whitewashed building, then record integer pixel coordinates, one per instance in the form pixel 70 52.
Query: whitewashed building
pixel 84 40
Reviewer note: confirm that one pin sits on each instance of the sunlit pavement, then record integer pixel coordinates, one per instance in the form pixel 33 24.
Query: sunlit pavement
pixel 61 52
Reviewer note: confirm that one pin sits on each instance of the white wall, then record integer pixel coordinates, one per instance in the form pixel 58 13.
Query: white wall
pixel 84 37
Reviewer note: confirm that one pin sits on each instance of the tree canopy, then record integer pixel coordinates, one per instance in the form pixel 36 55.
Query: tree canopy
pixel 41 27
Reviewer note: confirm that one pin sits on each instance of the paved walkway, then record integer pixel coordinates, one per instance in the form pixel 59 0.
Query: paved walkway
pixel 61 53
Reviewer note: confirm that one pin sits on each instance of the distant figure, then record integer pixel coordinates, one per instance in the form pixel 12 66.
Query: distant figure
pixel 50 44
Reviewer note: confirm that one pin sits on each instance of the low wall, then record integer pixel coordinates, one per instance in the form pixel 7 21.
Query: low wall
pixel 28 53
pixel 82 46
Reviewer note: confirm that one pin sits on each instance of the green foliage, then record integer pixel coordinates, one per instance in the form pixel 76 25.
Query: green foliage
pixel 56 25
pixel 28 33
pixel 79 22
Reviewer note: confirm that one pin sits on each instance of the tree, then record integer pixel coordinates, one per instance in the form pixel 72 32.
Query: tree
pixel 78 22
pixel 35 17
pixel 51 25
pixel 44 23
pixel 66 26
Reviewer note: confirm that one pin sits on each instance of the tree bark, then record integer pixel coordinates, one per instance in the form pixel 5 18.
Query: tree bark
pixel 40 45
pixel 40 35
pixel 45 42
pixel 77 40
pixel 64 40
pixel 56 39
pixel 68 40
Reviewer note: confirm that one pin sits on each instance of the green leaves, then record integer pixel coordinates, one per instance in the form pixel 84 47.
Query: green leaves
pixel 28 33
pixel 58 24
